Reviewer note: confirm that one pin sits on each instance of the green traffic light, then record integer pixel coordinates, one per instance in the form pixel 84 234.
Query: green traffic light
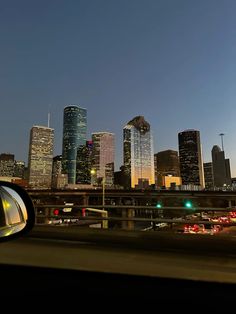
pixel 188 204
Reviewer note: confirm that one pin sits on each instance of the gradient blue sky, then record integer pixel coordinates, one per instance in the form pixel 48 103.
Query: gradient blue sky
pixel 172 61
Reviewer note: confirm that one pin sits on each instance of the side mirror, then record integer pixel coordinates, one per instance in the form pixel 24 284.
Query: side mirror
pixel 17 215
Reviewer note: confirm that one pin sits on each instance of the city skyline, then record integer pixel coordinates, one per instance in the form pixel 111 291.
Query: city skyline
pixel 171 61
pixel 89 136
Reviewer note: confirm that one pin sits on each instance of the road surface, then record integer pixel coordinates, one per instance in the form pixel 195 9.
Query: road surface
pixel 139 253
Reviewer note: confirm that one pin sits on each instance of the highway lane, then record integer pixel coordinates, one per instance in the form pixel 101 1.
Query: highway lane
pixel 77 252
pixel 222 243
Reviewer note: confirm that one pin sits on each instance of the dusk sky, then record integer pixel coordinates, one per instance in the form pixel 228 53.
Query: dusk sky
pixel 172 61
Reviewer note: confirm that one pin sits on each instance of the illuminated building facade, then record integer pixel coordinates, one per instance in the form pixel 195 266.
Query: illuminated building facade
pixel 19 169
pixel 166 164
pixel 138 153
pixel 190 157
pixel 74 135
pixel 7 165
pixel 103 157
pixel 168 181
pixel 59 179
pixel 84 163
pixel 40 157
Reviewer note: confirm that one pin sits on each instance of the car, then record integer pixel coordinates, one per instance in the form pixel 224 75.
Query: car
pixel 17 215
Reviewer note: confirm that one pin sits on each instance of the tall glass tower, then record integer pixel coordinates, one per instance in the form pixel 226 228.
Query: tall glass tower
pixel 74 135
pixel 103 156
pixel 138 153
pixel 190 157
pixel 84 163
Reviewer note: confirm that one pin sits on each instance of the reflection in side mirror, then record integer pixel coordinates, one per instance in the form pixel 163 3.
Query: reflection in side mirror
pixel 17 214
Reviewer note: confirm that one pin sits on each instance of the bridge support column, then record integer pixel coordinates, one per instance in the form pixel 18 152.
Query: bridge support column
pixel 128 224
pixel 85 200
pixel 45 219
pixel 104 222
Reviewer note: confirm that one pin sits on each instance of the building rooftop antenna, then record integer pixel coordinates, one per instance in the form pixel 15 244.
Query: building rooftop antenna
pixel 49 115
pixel 222 142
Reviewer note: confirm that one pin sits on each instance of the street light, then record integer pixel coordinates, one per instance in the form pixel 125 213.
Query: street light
pixel 93 172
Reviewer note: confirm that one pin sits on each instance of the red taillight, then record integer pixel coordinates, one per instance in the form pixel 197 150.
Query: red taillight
pixel 56 212
pixel 83 212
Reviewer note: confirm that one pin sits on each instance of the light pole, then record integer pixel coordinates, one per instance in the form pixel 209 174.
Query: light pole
pixel 92 172
pixel 103 190
pixel 104 222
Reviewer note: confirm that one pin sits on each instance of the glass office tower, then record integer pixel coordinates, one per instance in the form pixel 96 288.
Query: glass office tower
pixel 74 135
pixel 138 153
pixel 84 163
pixel 104 156
pixel 190 157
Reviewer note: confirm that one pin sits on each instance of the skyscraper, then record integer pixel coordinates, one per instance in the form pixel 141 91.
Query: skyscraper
pixel 138 153
pixel 103 156
pixel 7 165
pixel 40 156
pixel 59 180
pixel 167 163
pixel 74 135
pixel 167 170
pixel 190 156
pixel 221 167
pixel 84 163
pixel 19 169
pixel 208 175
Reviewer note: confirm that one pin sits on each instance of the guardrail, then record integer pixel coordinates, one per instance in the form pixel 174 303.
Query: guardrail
pixel 129 216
